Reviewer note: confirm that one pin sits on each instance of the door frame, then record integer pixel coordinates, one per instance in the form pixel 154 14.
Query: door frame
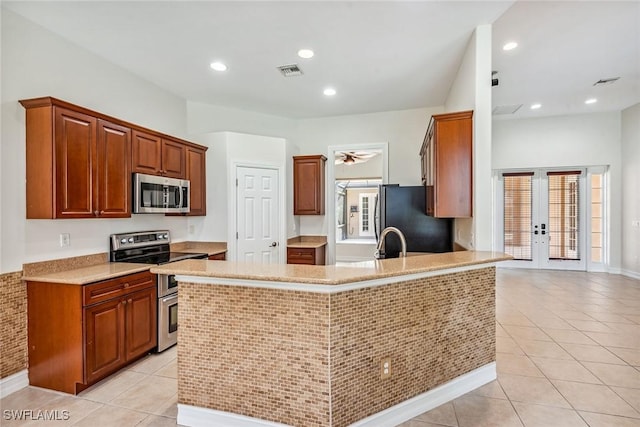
pixel 330 184
pixel 232 208
pixel 585 209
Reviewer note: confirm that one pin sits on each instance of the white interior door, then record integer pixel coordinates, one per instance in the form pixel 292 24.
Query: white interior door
pixel 258 215
pixel 543 218
pixel 367 203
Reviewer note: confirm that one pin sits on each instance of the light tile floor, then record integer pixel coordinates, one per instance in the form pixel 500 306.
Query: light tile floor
pixel 568 355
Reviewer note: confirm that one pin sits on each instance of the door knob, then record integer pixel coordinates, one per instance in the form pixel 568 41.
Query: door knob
pixel 274 244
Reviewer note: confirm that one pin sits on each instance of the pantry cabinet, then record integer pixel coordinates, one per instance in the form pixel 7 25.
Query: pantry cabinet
pixel 308 185
pixel 447 165
pixel 80 334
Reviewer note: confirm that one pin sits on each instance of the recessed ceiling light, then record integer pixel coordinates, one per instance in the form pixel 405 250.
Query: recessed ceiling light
pixel 535 106
pixel 591 101
pixel 305 53
pixel 218 66
pixel 510 46
pixel 329 91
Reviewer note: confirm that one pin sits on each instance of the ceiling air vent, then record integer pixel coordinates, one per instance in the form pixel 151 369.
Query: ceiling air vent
pixel 608 81
pixel 290 70
pixel 506 109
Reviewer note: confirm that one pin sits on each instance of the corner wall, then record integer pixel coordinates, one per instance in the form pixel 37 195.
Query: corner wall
pixel 471 90
pixel 630 180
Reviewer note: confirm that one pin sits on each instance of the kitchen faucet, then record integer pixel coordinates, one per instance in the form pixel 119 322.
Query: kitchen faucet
pixel 384 233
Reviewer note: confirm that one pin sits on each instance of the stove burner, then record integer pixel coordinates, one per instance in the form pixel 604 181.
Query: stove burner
pixel 149 247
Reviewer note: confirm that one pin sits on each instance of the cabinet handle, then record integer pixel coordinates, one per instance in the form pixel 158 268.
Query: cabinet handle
pixel 95 213
pixel 124 302
pixel 130 300
pixel 126 285
pixel 101 213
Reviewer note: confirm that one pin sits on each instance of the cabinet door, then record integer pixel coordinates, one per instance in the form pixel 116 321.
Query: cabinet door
pixel 141 322
pixel 196 174
pixel 308 185
pixel 75 143
pixel 146 153
pixel 105 338
pixel 173 159
pixel 113 170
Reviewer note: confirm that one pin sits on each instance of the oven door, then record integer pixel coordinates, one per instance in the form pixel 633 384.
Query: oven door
pixel 167 322
pixel 167 285
pixel 157 194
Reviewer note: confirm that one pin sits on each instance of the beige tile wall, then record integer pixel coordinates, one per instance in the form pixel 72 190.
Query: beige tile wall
pixel 433 330
pixel 13 324
pixel 256 352
pixel 265 353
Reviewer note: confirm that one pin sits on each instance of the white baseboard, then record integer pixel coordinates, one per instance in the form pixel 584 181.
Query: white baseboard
pixel 632 274
pixel 194 416
pixel 13 383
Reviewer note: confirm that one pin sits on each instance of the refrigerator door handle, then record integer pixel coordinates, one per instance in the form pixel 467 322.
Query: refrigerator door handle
pixel 376 216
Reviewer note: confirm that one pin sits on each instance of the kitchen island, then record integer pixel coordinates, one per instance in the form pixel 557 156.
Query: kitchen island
pixel 334 346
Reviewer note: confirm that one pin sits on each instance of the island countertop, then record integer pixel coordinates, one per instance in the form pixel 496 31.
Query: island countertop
pixel 331 274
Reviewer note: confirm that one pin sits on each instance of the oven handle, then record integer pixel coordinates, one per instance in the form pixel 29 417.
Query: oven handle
pixel 165 300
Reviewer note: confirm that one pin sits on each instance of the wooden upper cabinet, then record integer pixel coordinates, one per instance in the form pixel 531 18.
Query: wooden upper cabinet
pixel 173 159
pixel 113 170
pixel 154 155
pixel 79 162
pixel 78 166
pixel 196 174
pixel 146 153
pixel 308 185
pixel 447 165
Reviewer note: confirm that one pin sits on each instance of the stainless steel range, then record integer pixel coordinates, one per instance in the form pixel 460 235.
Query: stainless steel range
pixel 153 247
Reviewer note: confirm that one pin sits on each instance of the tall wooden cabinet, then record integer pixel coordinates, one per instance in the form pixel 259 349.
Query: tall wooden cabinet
pixel 80 334
pixel 447 165
pixel 308 185
pixel 196 174
pixel 77 165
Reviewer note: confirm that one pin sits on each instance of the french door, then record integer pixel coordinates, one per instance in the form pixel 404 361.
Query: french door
pixel 543 218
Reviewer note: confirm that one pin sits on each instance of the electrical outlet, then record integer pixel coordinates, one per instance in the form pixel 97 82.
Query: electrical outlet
pixel 65 240
pixel 385 368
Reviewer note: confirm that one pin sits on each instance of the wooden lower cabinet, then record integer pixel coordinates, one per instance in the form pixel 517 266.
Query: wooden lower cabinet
pixel 309 256
pixel 80 334
pixel 218 257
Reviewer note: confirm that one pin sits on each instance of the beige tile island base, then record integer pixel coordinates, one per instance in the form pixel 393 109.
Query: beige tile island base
pixel 265 345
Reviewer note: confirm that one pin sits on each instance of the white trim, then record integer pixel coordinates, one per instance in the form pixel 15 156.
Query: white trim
pixel 629 273
pixel 194 416
pixel 13 383
pixel 326 288
pixel 330 186
pixel 424 402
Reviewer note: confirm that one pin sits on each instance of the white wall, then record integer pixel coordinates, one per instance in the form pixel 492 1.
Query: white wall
pixel 564 141
pixel 35 63
pixel 403 130
pixel 372 168
pixel 471 90
pixel 226 150
pixel 630 195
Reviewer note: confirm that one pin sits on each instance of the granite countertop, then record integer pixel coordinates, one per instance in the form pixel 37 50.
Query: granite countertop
pixel 307 242
pixel 211 248
pixel 330 274
pixel 90 274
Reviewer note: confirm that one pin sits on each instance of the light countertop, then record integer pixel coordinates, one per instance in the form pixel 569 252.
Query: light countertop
pixel 211 248
pixel 90 274
pixel 330 274
pixel 307 242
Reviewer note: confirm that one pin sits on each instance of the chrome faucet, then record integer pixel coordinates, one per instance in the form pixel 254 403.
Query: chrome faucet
pixel 403 241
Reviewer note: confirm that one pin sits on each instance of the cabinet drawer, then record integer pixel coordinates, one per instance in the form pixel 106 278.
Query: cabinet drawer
pixel 108 289
pixel 301 256
pixel 219 257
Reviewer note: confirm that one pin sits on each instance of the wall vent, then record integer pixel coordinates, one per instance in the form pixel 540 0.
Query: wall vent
pixel 290 70
pixel 506 109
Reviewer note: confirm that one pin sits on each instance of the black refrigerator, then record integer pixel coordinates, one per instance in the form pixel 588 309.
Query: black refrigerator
pixel 404 208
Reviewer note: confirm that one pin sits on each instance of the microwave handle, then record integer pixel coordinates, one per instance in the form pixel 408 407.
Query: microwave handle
pixel 180 200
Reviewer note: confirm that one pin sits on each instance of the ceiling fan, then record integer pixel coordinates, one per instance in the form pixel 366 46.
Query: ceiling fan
pixel 353 157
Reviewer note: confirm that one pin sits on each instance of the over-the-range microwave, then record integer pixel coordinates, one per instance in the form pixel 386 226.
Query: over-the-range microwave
pixel 158 194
